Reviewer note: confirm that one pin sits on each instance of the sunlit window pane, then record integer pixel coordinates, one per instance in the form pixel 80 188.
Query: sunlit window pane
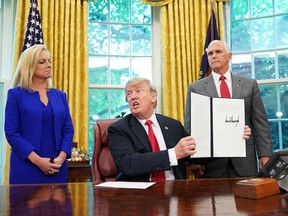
pixel 98 11
pixel 98 38
pixel 281 6
pixel 269 98
pixel 240 36
pixel 120 40
pixel 141 67
pixel 284 104
pixel 108 103
pixel 263 34
pixel 274 131
pixel 99 108
pixel 120 11
pixel 262 8
pixel 119 106
pixel 284 131
pixel 283 63
pixel 119 70
pixel 98 70
pixel 239 9
pixel 264 65
pixel 141 40
pixel 141 13
pixel 282 30
pixel 241 65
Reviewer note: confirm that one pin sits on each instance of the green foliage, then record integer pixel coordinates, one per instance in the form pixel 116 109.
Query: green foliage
pixel 239 9
pixel 261 8
pixel 260 29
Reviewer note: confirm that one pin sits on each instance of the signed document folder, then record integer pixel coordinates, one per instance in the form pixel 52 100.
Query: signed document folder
pixel 217 126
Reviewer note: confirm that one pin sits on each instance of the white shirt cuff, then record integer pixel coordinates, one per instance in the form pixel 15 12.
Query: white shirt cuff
pixel 172 157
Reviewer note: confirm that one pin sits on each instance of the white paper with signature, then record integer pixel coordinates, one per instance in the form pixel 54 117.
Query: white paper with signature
pixel 228 120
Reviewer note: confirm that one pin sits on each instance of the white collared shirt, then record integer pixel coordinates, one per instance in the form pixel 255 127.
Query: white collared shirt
pixel 161 142
pixel 217 81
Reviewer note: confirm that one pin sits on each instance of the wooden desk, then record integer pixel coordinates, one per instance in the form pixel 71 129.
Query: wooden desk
pixel 79 172
pixel 185 197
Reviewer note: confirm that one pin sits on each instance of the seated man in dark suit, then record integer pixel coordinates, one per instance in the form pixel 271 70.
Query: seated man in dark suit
pixel 134 153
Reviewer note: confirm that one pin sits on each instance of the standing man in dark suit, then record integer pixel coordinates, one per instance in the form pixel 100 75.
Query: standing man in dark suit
pixel 130 146
pixel 260 143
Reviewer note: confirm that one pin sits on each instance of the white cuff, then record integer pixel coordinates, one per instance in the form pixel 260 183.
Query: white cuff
pixel 172 157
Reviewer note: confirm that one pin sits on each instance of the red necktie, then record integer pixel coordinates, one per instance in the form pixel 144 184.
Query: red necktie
pixel 155 176
pixel 224 90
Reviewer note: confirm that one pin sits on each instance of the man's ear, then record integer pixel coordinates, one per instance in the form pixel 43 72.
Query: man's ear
pixel 154 98
pixel 230 56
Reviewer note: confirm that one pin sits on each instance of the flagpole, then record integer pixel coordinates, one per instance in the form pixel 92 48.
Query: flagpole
pixel 212 34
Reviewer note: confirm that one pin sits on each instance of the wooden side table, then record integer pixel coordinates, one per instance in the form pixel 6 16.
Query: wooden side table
pixel 79 171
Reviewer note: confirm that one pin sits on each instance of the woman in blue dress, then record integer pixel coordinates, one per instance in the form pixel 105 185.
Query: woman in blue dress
pixel 38 124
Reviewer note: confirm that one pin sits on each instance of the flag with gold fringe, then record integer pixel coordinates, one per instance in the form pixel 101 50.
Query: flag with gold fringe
pixel 212 34
pixel 33 30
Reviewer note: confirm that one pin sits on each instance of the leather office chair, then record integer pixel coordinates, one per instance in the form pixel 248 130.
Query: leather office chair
pixel 103 166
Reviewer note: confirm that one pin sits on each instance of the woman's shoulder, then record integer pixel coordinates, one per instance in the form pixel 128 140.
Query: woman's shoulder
pixel 16 90
pixel 57 91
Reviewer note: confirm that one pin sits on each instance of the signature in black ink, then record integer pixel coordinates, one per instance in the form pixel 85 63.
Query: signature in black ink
pixel 230 119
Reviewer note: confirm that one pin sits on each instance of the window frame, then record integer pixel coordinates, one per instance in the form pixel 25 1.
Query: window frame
pixel 265 82
pixel 155 64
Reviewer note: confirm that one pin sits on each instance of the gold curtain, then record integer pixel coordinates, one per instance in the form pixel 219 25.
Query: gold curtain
pixel 65 32
pixel 184 28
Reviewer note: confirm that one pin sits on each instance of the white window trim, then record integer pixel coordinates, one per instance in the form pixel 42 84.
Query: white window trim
pixel 156 57
pixel 6 41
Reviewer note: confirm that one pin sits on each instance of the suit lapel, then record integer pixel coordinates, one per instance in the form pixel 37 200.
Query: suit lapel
pixel 140 132
pixel 165 131
pixel 210 87
pixel 237 86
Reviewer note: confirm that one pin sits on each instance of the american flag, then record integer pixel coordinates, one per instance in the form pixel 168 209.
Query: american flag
pixel 212 34
pixel 33 30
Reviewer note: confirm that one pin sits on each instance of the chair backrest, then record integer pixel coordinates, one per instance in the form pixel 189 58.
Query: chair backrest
pixel 103 166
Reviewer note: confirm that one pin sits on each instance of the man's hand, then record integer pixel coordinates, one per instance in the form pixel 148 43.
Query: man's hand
pixel 263 161
pixel 185 147
pixel 246 132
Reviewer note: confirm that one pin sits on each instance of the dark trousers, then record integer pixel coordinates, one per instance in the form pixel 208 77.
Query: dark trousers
pixel 230 171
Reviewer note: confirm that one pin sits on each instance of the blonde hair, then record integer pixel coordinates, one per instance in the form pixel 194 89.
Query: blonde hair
pixel 138 80
pixel 26 67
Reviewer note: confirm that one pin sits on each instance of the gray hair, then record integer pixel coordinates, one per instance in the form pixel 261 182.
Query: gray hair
pixel 138 80
pixel 225 45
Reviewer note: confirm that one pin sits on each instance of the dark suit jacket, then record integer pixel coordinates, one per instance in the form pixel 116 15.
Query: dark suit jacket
pixel 255 118
pixel 131 150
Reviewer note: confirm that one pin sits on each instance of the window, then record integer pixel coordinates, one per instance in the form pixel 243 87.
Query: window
pixel 259 42
pixel 120 48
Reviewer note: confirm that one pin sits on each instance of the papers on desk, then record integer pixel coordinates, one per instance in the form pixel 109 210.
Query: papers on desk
pixel 129 185
pixel 217 126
